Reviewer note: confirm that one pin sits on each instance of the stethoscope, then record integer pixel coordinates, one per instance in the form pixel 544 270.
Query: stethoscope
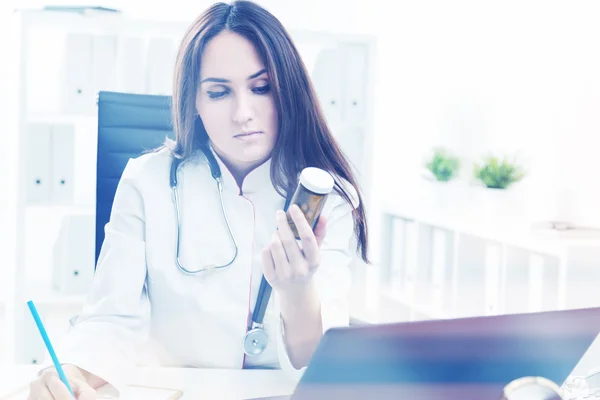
pixel 532 388
pixel 256 338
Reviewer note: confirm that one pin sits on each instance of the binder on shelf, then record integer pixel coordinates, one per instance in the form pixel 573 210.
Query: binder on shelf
pixel 449 285
pixel 77 92
pixel 469 288
pixel 551 287
pixel 354 105
pixel 516 280
pixel 536 282
pixel 328 81
pixel 493 265
pixel 397 262
pixel 74 251
pixel 438 266
pixel 159 66
pixel 424 270
pixel 130 65
pixel 63 163
pixel 352 141
pixel 104 63
pixel 411 260
pixel 37 178
pixel 50 163
pixel 31 348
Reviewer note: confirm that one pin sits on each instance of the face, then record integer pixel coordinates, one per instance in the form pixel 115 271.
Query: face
pixel 235 102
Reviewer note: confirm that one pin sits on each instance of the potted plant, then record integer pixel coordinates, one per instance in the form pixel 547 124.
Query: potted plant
pixel 496 173
pixel 443 165
pixel 499 175
pixel 441 169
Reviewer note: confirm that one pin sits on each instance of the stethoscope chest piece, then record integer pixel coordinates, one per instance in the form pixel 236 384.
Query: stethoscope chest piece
pixel 255 341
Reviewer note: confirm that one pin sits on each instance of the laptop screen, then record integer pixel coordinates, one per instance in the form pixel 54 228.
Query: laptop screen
pixel 480 351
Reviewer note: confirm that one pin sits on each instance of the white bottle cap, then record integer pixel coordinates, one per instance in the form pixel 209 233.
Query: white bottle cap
pixel 316 180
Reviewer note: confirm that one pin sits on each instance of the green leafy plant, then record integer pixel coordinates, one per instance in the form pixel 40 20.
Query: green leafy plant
pixel 498 173
pixel 443 165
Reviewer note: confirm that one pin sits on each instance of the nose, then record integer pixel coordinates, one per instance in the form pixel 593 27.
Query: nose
pixel 244 109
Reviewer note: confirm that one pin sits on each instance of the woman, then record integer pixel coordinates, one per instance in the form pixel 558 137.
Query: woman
pixel 241 94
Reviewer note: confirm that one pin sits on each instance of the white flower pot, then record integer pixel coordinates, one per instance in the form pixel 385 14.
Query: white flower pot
pixel 446 197
pixel 499 204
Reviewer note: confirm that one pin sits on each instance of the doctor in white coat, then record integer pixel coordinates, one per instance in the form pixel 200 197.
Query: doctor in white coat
pixel 241 93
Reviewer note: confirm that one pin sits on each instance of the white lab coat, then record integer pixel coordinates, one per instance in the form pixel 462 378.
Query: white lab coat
pixel 143 310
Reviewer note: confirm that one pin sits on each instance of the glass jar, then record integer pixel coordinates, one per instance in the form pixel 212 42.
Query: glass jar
pixel 310 195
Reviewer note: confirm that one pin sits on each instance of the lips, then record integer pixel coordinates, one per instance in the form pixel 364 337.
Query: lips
pixel 247 134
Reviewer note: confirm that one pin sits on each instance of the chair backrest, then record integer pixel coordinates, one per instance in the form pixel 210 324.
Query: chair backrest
pixel 128 125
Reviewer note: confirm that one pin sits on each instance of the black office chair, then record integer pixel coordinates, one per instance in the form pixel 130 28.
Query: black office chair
pixel 128 125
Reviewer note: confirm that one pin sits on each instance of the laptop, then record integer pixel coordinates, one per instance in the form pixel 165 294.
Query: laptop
pixel 465 358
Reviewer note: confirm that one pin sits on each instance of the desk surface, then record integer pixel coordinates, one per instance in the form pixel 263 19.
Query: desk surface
pixel 195 383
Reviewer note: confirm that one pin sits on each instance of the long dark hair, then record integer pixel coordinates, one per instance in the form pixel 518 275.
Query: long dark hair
pixel 304 139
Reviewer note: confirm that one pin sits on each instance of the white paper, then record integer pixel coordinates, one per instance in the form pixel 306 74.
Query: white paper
pixel 137 393
pixel 109 392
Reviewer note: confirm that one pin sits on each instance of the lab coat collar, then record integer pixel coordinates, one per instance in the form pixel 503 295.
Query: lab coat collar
pixel 258 179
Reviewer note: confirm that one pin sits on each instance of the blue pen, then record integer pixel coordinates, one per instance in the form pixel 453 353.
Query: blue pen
pixel 42 330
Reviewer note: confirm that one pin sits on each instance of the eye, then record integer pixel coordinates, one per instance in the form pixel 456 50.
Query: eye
pixel 217 94
pixel 262 89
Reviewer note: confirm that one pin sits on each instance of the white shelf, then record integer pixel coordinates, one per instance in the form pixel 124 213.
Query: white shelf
pixel 428 310
pixel 60 209
pixel 491 258
pixel 76 119
pixel 501 227
pixel 44 294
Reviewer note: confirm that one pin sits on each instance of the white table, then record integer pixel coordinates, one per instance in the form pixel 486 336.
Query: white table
pixel 195 383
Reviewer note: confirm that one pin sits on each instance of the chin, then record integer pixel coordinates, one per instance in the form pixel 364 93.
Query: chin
pixel 252 155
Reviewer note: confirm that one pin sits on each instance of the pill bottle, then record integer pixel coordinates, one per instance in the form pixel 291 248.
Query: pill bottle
pixel 311 193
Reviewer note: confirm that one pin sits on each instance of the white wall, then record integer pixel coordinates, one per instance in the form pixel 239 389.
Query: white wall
pixel 8 157
pixel 329 15
pixel 515 76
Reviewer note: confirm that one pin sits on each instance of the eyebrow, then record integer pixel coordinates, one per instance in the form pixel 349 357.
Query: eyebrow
pixel 222 80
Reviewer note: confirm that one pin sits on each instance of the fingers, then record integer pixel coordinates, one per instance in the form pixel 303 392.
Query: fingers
pixel 39 391
pixel 282 265
pixel 268 266
pixel 83 391
pixel 57 388
pixel 49 386
pixel 286 259
pixel 86 394
pixel 293 252
pixel 44 394
pixel 321 230
pixel 310 246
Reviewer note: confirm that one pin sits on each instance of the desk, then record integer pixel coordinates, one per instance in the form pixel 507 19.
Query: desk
pixel 195 383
